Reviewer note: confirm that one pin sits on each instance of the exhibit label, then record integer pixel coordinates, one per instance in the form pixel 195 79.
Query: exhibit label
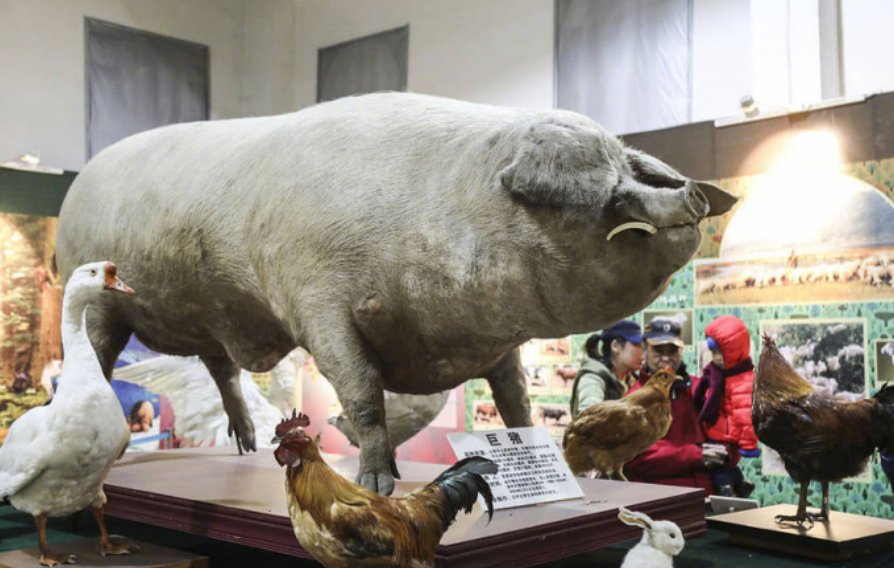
pixel 532 469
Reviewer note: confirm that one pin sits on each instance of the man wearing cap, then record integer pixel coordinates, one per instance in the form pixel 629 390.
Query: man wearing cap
pixel 609 373
pixel 681 457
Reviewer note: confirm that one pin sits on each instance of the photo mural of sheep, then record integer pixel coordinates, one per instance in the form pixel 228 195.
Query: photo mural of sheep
pixel 855 274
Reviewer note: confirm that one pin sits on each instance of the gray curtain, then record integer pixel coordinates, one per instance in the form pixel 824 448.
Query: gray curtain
pixel 138 80
pixel 364 65
pixel 625 63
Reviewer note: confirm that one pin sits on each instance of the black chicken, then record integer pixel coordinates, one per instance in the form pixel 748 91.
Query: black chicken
pixel 818 437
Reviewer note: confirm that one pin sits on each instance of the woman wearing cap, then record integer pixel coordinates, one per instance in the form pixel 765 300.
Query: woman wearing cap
pixel 608 373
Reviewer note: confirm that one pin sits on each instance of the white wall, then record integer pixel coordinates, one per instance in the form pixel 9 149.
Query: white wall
pixel 42 100
pixel 721 57
pixel 270 45
pixel 866 29
pixel 489 51
pixel 264 54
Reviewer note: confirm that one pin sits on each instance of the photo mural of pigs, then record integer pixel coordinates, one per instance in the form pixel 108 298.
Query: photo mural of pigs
pixel 408 242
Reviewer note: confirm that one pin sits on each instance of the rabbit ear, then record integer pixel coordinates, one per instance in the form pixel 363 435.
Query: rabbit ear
pixel 634 518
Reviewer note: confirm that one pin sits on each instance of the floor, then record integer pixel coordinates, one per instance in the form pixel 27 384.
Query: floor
pixel 17 531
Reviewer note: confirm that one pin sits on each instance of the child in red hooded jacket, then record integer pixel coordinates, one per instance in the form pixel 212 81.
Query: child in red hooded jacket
pixel 724 397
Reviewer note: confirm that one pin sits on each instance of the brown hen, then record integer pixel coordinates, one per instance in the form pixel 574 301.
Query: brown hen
pixel 819 438
pixel 607 435
pixel 343 525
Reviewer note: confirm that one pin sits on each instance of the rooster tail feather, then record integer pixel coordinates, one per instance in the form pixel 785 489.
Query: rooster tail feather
pixel 885 395
pixel 883 430
pixel 462 483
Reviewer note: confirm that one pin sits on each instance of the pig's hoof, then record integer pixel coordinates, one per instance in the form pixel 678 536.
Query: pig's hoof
pixel 245 435
pixel 381 483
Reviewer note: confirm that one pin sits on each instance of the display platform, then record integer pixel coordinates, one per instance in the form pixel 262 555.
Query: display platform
pixel 216 493
pixel 844 536
pixel 149 556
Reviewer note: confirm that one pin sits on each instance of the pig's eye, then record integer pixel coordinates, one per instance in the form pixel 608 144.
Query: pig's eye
pixel 93 272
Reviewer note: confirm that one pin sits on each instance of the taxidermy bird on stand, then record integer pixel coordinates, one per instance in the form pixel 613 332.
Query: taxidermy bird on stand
pixel 344 525
pixel 607 435
pixel 55 458
pixel 818 437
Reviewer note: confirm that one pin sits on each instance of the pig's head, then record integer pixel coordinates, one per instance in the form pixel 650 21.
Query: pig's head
pixel 623 220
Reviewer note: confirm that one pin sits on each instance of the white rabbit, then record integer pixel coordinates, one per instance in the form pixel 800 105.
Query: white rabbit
pixel 662 540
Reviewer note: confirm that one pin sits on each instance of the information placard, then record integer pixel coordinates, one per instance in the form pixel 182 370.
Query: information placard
pixel 532 468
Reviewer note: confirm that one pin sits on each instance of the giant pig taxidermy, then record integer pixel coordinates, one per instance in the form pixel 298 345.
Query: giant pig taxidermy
pixel 409 242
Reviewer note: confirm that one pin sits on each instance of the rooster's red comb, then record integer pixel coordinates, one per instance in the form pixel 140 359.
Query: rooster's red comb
pixel 297 420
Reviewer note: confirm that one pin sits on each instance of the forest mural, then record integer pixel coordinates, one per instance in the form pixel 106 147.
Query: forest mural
pixel 30 304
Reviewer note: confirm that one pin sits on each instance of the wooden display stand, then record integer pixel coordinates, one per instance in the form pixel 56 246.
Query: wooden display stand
pixel 216 493
pixel 844 536
pixel 149 556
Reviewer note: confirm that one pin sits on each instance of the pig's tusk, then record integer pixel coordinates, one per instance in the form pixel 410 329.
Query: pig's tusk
pixel 632 225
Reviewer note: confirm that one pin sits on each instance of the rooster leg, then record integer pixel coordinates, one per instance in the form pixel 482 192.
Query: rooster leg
pixel 105 545
pixel 47 558
pixel 824 511
pixel 800 519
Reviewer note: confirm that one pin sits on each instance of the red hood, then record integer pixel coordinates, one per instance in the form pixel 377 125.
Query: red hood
pixel 732 336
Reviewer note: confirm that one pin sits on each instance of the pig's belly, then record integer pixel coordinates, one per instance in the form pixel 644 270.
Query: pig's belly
pixel 245 331
pixel 410 366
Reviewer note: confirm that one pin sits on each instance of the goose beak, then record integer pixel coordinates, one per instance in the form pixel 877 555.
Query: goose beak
pixel 113 283
pixel 116 285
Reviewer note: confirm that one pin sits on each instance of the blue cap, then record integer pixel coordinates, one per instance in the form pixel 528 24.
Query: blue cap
pixel 712 345
pixel 624 329
pixel 661 331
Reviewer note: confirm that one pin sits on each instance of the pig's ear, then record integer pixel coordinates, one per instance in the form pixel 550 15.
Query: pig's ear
pixel 651 171
pixel 562 165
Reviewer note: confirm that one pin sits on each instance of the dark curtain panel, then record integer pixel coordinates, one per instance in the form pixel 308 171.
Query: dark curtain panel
pixel 138 80
pixel 365 65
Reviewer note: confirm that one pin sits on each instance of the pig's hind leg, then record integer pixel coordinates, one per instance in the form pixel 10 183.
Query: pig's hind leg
pixel 507 382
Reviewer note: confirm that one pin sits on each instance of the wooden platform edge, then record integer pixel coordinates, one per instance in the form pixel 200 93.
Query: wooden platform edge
pixel 529 547
pixel 267 532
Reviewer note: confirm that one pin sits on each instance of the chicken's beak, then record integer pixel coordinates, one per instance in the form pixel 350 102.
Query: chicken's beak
pixel 276 440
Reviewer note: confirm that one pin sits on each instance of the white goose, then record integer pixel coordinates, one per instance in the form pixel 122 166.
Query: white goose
pixel 56 457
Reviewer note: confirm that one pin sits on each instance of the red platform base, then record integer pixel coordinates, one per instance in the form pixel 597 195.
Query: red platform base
pixel 214 493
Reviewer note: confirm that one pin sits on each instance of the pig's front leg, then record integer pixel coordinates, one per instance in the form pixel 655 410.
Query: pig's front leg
pixel 507 381
pixel 343 359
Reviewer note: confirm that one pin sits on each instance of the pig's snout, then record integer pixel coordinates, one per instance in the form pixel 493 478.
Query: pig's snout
pixel 648 209
pixel 696 201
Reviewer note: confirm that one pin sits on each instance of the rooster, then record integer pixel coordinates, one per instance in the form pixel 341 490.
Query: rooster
pixel 344 525
pixel 607 435
pixel 819 438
